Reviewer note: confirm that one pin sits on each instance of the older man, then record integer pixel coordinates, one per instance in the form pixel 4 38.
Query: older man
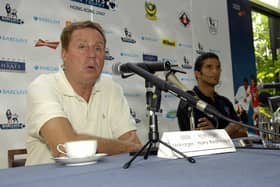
pixel 77 103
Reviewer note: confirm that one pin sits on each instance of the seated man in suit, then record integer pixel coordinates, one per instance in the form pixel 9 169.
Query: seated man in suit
pixel 207 71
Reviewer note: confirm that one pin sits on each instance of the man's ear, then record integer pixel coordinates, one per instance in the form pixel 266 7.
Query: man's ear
pixel 63 53
pixel 196 74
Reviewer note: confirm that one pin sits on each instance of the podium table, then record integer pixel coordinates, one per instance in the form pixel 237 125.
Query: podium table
pixel 246 167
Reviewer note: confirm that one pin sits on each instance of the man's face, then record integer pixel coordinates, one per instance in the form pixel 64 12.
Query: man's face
pixel 84 58
pixel 210 72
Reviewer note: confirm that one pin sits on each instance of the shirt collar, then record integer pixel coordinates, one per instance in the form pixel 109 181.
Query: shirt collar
pixel 67 89
pixel 204 97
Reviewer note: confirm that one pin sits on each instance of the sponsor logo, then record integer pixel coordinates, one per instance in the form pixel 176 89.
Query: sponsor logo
pixel 151 10
pixel 200 49
pixel 133 114
pixel 171 60
pixel 150 58
pixel 46 68
pixel 132 94
pixel 237 7
pixel 12 121
pixel 108 32
pixel 149 39
pixel 83 9
pixel 11 16
pixel 11 65
pixel 105 4
pixel 215 51
pixel 241 13
pixel 88 10
pixel 186 64
pixel 188 79
pixel 171 43
pixel 46 20
pixel 131 55
pixel 184 19
pixel 41 43
pixel 13 39
pixel 212 25
pixel 171 114
pixel 12 92
pixel 107 55
pixel 128 37
pixel 184 45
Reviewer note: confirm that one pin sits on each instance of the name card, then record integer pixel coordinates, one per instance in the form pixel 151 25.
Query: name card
pixel 195 143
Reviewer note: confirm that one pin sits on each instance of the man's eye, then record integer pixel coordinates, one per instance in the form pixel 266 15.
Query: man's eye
pixel 98 49
pixel 81 46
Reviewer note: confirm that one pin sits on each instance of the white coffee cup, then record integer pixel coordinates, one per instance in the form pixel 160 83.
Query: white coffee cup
pixel 78 149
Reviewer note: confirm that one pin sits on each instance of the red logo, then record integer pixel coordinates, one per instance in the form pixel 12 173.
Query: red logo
pixel 41 43
pixel 184 19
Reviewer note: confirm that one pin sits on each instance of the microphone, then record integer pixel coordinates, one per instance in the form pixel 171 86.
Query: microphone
pixel 193 101
pixel 268 85
pixel 152 67
pixel 171 78
pixel 162 85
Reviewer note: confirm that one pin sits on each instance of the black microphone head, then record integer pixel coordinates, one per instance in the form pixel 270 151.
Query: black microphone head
pixel 116 68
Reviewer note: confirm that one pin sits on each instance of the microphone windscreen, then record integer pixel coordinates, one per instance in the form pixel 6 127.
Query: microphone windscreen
pixel 116 69
pixel 171 78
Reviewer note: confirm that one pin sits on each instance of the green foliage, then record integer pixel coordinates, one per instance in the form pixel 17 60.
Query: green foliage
pixel 266 68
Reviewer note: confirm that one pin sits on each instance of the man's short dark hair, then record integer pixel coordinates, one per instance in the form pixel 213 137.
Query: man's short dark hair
pixel 68 30
pixel 245 80
pixel 200 60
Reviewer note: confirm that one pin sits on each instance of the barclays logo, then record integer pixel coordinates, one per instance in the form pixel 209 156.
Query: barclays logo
pixel 184 45
pixel 150 39
pixel 132 94
pixel 187 79
pixel 13 39
pixel 13 92
pixel 46 68
pixel 171 114
pixel 46 20
pixel 215 51
pixel 123 54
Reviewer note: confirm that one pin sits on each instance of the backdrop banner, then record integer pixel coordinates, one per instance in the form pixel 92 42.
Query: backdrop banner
pixel 136 30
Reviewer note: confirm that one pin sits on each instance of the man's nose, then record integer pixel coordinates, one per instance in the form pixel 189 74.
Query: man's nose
pixel 92 52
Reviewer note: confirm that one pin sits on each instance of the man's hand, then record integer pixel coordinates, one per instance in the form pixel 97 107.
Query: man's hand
pixel 59 130
pixel 204 124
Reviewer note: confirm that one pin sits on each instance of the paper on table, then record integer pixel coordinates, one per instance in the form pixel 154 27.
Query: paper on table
pixel 196 143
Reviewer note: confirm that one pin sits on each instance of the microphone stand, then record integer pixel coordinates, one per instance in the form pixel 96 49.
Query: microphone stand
pixel 153 107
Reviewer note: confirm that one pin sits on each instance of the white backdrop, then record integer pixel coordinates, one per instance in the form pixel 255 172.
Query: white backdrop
pixel 29 45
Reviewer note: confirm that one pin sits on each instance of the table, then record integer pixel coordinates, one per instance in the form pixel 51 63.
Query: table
pixel 246 167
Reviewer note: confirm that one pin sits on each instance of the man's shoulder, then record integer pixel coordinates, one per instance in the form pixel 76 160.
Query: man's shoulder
pixel 106 81
pixel 223 98
pixel 47 78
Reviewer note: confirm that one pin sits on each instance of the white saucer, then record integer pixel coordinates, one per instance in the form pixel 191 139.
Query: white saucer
pixel 79 161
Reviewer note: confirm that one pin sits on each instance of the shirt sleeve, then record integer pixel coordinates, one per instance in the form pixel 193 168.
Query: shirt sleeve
pixel 43 104
pixel 183 116
pixel 122 121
